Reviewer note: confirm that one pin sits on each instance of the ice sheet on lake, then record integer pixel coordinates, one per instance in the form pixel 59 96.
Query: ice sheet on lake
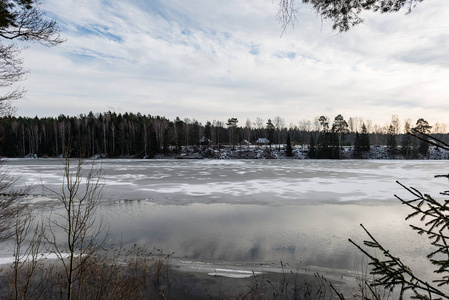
pixel 246 181
pixel 256 211
pixel 10 259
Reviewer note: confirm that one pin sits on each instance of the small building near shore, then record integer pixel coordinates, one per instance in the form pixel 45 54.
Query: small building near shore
pixel 204 141
pixel 262 141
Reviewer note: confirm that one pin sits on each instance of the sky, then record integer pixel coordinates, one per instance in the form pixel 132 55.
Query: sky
pixel 213 60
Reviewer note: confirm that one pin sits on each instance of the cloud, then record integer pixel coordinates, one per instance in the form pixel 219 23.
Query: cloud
pixel 211 60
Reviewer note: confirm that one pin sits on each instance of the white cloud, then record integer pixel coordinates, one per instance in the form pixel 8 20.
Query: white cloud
pixel 210 60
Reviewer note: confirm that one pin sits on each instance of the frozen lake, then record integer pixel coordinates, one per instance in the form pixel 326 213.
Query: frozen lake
pixel 252 213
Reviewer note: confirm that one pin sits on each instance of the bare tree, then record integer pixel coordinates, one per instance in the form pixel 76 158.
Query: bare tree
pixel 80 195
pixel 304 129
pixel 8 199
pixel 28 237
pixel 352 125
pixel 259 124
pixel 396 124
pixel 439 128
pixel 247 130
pixel 279 123
pixel 21 20
pixel 368 125
pixel 11 71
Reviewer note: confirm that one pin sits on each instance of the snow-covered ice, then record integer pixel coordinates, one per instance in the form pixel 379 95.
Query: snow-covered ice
pixel 274 182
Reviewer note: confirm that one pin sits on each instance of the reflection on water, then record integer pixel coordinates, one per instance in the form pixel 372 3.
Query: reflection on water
pixel 301 235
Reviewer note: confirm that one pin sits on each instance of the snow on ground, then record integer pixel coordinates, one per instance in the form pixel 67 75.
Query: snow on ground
pixel 299 152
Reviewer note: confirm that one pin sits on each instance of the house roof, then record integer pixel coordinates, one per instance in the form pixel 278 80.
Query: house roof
pixel 205 140
pixel 262 141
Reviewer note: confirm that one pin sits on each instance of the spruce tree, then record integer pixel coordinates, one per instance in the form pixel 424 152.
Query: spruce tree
pixel 288 149
pixel 154 146
pixel 364 140
pixel 357 146
pixel 406 141
pixel 324 145
pixel 391 141
pixel 270 132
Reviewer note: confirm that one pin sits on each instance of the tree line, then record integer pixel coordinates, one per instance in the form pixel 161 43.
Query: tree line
pixel 135 135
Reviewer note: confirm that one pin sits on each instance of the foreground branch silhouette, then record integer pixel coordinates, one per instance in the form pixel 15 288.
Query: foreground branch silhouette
pixel 389 271
pixel 342 14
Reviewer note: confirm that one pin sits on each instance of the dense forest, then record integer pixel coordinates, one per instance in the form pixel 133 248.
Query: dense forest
pixel 144 136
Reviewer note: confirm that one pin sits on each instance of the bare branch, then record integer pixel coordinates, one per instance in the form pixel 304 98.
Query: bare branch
pixel 9 205
pixel 32 25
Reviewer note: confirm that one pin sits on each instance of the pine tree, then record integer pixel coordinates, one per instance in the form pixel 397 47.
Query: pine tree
pixel 339 130
pixel 423 127
pixel 232 125
pixel 323 149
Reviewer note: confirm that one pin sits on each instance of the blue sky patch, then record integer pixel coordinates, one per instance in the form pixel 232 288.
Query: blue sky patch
pixel 98 30
pixel 186 32
pixel 289 55
pixel 254 50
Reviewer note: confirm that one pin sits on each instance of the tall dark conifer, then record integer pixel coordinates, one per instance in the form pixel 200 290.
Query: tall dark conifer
pixel 357 146
pixel 288 148
pixel 312 148
pixel 364 140
pixel 392 144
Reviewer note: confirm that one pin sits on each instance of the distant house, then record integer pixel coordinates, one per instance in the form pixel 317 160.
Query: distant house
pixel 205 141
pixel 262 141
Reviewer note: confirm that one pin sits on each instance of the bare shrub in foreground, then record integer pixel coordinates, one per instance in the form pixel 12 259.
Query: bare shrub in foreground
pixel 80 195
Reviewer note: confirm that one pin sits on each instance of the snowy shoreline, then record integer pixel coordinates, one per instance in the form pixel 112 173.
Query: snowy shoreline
pixel 299 152
pixel 377 152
